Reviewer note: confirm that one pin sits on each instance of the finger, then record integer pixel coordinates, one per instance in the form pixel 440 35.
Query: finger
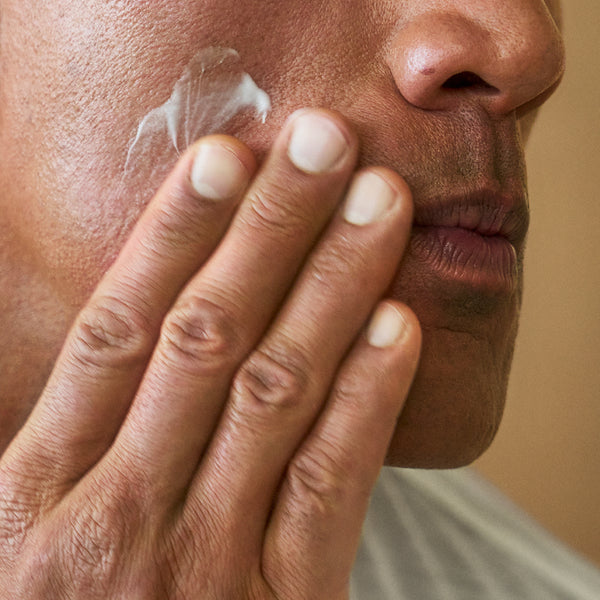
pixel 316 524
pixel 225 309
pixel 280 390
pixel 110 343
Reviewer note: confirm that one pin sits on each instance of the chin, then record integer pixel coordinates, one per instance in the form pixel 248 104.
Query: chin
pixel 447 443
pixel 455 405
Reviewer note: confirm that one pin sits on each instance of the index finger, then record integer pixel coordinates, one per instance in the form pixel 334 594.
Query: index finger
pixel 106 352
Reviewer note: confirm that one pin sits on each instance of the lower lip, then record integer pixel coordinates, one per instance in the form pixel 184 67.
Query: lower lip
pixel 486 263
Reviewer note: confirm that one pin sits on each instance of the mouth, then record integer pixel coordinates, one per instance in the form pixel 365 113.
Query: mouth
pixel 475 240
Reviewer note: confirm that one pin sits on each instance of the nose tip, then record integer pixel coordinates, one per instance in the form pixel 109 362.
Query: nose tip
pixel 440 60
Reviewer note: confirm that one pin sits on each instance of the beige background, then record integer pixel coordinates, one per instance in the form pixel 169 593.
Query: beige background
pixel 547 455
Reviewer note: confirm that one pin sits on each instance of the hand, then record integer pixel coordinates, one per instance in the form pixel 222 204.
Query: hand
pixel 219 412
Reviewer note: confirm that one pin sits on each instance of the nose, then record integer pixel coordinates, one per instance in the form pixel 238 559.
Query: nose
pixel 502 53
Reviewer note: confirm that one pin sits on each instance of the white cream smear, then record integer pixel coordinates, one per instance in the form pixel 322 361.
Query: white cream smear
pixel 212 89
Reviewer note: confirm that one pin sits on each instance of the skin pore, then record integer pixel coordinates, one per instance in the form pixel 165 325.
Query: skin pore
pixel 386 66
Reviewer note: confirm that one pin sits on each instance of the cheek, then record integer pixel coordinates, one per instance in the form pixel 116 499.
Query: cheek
pixel 76 87
pixel 99 69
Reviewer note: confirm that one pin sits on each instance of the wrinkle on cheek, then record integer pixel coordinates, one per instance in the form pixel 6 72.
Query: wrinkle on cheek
pixel 211 91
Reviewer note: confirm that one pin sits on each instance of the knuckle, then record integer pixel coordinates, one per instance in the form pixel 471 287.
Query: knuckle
pixel 350 392
pixel 16 516
pixel 87 548
pixel 370 380
pixel 112 333
pixel 178 555
pixel 77 553
pixel 283 219
pixel 183 221
pixel 36 573
pixel 24 498
pixel 316 482
pixel 100 532
pixel 200 336
pixel 272 380
pixel 343 260
pixel 191 553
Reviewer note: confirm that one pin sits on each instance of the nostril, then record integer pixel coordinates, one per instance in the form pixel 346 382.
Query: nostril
pixel 467 79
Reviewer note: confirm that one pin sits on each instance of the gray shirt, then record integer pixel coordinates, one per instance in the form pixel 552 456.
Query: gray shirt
pixel 450 535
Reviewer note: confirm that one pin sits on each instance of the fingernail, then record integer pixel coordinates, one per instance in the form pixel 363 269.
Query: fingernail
pixel 317 144
pixel 217 173
pixel 369 198
pixel 387 327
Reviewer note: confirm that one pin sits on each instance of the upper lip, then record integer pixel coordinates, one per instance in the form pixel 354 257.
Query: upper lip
pixel 485 210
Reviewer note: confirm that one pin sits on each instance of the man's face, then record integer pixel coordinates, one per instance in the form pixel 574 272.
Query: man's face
pixel 434 88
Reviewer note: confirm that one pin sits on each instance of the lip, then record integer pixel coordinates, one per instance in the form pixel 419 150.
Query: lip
pixel 475 240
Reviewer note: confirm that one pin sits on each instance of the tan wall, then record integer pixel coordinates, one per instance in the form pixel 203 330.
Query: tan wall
pixel 547 455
